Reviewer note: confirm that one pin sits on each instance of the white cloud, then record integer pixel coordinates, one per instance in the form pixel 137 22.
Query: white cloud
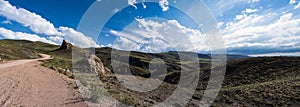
pixel 285 17
pixel 6 22
pixel 256 33
pixel 126 44
pixel 35 22
pixel 255 1
pixel 164 4
pixel 39 25
pixel 132 3
pixel 8 34
pixel 245 13
pixel 144 6
pixel 250 34
pixel 292 1
pixel 221 24
pixel 277 54
pixel 154 36
pixel 108 45
pixel 77 38
pixel 297 6
pixel 116 10
pixel 250 11
pixel 239 17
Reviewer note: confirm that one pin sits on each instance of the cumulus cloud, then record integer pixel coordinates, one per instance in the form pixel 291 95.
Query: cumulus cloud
pixel 35 22
pixel 155 36
pixel 77 38
pixel 39 25
pixel 8 34
pixel 126 44
pixel 251 33
pixel 245 13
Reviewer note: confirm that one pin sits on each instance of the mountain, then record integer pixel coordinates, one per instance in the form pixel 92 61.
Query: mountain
pixel 260 81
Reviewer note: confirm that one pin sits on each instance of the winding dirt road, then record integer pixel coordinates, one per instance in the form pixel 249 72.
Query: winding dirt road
pixel 25 83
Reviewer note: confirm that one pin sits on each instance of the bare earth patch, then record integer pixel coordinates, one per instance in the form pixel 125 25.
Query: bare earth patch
pixel 26 83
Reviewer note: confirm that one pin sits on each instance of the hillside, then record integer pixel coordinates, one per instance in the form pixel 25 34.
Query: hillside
pixel 263 81
pixel 23 49
pixel 13 50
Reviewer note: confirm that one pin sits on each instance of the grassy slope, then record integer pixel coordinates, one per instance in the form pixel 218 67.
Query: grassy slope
pixel 272 81
pixel 266 81
pixel 23 49
pixel 13 50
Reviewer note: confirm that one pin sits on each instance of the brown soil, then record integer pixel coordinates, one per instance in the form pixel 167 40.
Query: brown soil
pixel 25 83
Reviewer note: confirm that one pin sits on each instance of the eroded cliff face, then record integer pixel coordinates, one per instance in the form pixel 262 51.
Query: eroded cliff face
pixel 96 65
pixel 85 61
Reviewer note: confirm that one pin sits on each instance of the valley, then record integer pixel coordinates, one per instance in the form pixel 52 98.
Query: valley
pixel 249 81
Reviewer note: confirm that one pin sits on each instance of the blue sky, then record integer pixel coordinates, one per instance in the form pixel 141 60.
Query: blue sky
pixel 249 27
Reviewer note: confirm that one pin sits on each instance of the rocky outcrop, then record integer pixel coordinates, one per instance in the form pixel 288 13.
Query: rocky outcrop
pixel 96 65
pixel 65 45
pixel 87 62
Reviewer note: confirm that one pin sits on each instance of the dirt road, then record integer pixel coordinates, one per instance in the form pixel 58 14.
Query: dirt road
pixel 25 83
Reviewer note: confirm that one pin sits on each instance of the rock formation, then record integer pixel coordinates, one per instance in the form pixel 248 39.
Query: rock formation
pixel 65 45
pixel 87 62
pixel 96 65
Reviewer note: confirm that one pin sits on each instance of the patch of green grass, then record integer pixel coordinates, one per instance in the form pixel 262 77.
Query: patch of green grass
pixel 58 63
pixel 128 100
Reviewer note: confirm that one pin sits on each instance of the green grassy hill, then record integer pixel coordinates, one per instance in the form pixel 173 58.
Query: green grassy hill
pixel 23 49
pixel 14 49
